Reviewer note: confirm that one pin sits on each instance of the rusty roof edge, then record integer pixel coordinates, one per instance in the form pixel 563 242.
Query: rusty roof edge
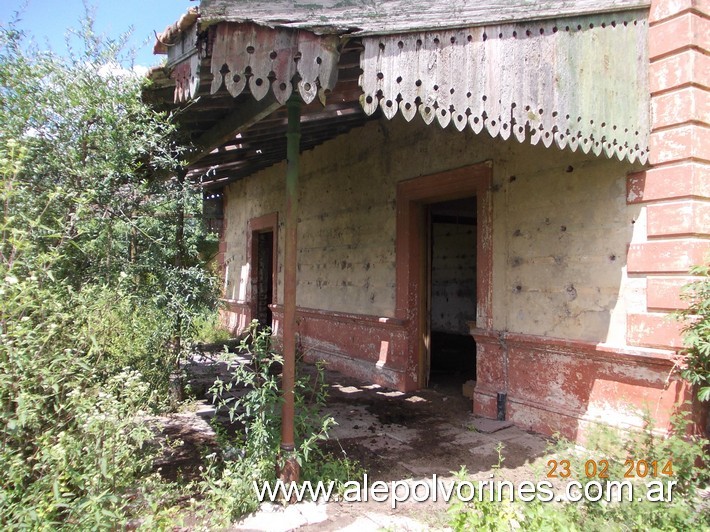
pixel 172 33
pixel 333 27
pixel 495 22
pixel 317 29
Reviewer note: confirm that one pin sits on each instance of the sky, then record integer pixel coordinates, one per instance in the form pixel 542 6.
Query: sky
pixel 47 21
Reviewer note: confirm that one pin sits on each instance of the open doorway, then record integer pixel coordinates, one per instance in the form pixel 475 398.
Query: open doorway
pixel 451 292
pixel 415 197
pixel 262 255
pixel 264 289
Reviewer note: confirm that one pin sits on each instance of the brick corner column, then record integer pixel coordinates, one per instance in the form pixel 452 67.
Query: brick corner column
pixel 675 190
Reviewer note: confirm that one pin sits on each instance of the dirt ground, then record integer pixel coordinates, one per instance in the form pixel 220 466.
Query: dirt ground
pixel 398 436
pixel 394 435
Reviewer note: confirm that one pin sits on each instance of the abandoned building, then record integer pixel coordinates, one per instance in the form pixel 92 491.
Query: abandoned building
pixel 508 192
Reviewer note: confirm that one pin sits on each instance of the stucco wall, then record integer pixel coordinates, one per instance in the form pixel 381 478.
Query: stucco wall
pixel 561 233
pixel 561 227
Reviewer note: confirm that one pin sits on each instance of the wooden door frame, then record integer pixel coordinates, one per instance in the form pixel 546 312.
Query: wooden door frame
pixel 261 224
pixel 411 243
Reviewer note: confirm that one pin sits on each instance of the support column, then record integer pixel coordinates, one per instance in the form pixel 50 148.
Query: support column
pixel 676 189
pixel 290 470
pixel 179 259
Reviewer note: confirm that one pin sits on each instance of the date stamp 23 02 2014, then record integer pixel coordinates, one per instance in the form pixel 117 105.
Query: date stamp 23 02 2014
pixel 600 469
pixel 654 474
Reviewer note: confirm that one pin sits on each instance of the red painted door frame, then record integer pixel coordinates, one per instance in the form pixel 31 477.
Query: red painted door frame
pixel 412 197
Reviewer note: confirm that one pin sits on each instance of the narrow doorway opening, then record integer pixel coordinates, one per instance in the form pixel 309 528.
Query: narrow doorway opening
pixel 452 274
pixel 264 276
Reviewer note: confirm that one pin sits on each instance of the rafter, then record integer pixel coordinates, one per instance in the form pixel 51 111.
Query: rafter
pixel 246 113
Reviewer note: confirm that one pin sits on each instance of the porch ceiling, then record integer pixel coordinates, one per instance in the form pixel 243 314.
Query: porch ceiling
pixel 238 136
pixel 578 81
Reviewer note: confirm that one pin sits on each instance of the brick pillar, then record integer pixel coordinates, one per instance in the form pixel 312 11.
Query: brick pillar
pixel 675 191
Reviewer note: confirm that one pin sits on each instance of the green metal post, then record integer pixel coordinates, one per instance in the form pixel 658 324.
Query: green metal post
pixel 290 470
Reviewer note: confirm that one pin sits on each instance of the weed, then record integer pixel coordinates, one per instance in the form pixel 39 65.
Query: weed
pixel 689 465
pixel 253 400
pixel 695 365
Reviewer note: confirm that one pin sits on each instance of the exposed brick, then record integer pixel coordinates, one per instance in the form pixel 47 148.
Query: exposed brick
pixel 669 182
pixel 663 9
pixel 667 256
pixel 678 33
pixel 681 106
pixel 653 330
pixel 690 66
pixel 679 143
pixel 690 217
pixel 663 293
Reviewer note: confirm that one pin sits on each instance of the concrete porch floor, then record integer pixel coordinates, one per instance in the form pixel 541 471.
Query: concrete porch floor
pixel 396 436
pixel 410 436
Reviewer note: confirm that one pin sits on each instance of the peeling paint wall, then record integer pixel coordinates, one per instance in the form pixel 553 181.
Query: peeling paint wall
pixel 561 235
pixel 265 196
pixel 561 227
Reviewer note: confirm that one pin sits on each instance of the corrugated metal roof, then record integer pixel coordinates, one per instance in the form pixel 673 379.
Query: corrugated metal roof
pixel 373 17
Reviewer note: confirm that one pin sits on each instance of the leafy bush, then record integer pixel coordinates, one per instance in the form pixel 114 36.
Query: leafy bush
pixel 209 330
pixel 689 462
pixel 695 367
pixel 72 439
pixel 96 288
pixel 253 400
pixel 259 409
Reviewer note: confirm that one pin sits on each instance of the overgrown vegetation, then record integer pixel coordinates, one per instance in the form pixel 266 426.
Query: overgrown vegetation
pixel 688 457
pixel 252 398
pixel 104 282
pixel 103 276
pixel 695 366
pixel 97 287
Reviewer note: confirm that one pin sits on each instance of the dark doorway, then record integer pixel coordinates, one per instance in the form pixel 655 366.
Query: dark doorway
pixel 452 292
pixel 264 276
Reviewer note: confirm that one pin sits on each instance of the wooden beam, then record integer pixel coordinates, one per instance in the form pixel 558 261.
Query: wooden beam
pixel 245 114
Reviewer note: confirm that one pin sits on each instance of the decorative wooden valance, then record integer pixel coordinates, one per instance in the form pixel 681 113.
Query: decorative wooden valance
pixel 271 58
pixel 264 59
pixel 579 82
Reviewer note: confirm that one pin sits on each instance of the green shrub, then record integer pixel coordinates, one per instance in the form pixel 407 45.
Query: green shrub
pixel 695 367
pixel 72 441
pixel 96 289
pixel 259 409
pixel 209 330
pixel 253 455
